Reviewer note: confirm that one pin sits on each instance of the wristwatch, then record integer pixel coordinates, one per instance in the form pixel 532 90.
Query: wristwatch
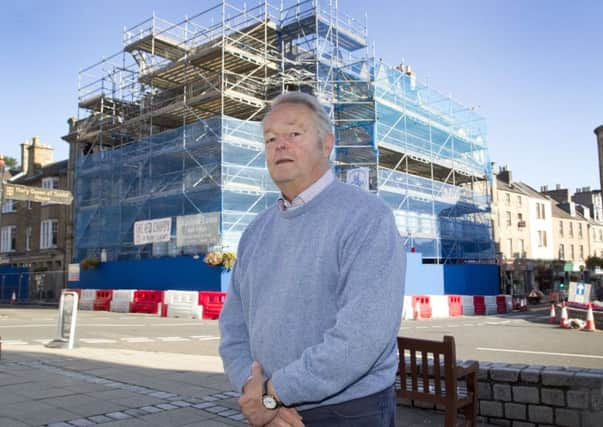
pixel 269 400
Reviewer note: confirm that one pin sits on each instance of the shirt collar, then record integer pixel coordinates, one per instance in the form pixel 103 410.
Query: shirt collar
pixel 308 194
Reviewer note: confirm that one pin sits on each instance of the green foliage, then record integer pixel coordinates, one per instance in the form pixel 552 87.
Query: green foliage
pixel 10 162
pixel 593 261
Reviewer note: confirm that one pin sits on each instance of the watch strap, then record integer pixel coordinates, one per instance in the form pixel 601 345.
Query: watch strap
pixel 265 393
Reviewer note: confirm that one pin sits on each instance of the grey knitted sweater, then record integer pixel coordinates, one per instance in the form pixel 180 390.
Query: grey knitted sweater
pixel 316 297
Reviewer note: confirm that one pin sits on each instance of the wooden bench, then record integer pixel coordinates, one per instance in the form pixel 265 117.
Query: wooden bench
pixel 428 371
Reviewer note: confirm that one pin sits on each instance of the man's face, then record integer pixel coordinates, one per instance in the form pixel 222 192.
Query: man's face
pixel 294 155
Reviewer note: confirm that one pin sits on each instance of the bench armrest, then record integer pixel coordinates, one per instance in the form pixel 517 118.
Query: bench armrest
pixel 466 368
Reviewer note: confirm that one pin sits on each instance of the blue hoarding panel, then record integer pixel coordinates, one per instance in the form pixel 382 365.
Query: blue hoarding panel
pixel 179 273
pixel 471 279
pixel 14 279
pixel 423 279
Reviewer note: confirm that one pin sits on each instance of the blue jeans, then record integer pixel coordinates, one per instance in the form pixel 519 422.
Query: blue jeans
pixel 376 410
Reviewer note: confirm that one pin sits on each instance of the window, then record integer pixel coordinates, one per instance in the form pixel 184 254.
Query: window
pixel 579 230
pixel 594 235
pixel 28 239
pixel 508 216
pixel 538 210
pixel 49 233
pixel 8 238
pixel 541 212
pixel 561 228
pixel 520 217
pixel 581 252
pixel 571 229
pixel 507 199
pixel 572 252
pixel 518 200
pixel 8 206
pixel 542 238
pixel 522 248
pixel 510 247
pixel 51 183
pixel 561 251
pixel 600 235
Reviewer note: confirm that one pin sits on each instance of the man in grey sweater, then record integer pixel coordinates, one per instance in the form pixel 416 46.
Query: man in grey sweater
pixel 313 310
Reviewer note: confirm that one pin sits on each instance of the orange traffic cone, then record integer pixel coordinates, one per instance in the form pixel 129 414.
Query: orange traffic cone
pixel 590 320
pixel 13 298
pixel 564 323
pixel 417 310
pixel 552 316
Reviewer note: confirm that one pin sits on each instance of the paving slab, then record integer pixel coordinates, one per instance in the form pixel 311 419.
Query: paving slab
pixel 125 388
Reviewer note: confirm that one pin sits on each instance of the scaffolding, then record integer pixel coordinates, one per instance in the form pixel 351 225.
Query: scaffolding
pixel 170 126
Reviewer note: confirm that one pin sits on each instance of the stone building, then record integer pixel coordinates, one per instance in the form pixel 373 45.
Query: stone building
pixel 38 235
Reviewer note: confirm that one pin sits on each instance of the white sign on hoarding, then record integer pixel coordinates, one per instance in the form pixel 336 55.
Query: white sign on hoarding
pixel 358 177
pixel 579 292
pixel 73 273
pixel 152 231
pixel 198 229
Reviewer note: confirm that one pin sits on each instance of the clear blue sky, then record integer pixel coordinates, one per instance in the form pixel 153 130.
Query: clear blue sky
pixel 533 67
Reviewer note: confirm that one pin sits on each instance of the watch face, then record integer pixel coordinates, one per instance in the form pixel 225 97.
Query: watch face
pixel 269 402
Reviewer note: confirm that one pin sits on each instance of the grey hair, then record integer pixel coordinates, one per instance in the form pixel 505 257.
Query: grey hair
pixel 323 122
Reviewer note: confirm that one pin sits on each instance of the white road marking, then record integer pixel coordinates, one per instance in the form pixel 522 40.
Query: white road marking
pixel 13 342
pixel 111 325
pixel 34 325
pixel 204 337
pixel 507 350
pixel 137 339
pixel 172 339
pixel 97 341
pixel 44 341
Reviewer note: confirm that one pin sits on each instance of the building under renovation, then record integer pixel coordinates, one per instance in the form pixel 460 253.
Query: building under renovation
pixel 169 128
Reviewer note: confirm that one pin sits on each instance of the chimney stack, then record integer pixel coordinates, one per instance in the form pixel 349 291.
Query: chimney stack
pixel 505 175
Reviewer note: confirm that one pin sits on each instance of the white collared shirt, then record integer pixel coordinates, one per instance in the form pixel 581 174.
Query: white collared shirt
pixel 308 194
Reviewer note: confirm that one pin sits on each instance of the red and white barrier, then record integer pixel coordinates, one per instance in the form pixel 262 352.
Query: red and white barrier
pixel 468 306
pixel 183 304
pixel 103 299
pixel 407 308
pixel 121 300
pixel 455 305
pixel 208 304
pixel 212 302
pixel 490 303
pixel 87 298
pixel 445 306
pixel 147 302
pixel 440 308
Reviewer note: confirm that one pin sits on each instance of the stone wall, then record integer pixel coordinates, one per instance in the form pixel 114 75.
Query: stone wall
pixel 516 395
pixel 530 396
